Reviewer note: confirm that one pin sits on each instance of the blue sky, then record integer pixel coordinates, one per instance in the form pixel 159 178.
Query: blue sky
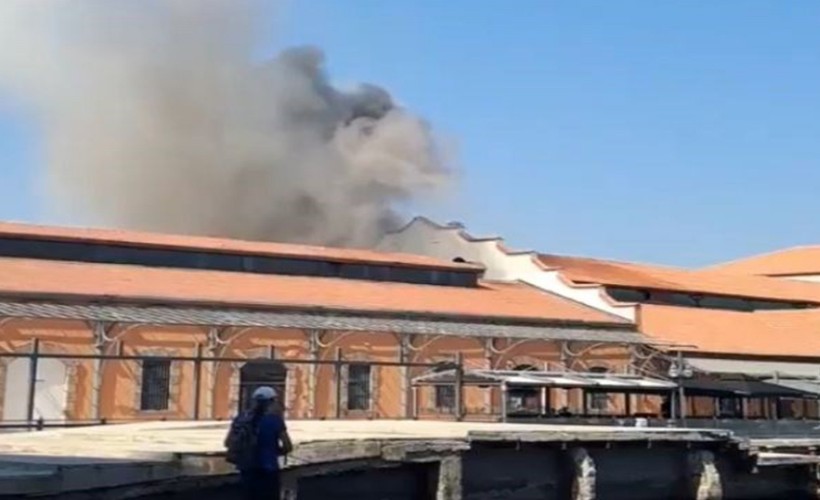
pixel 679 132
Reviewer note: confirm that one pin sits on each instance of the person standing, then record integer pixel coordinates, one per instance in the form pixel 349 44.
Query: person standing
pixel 256 441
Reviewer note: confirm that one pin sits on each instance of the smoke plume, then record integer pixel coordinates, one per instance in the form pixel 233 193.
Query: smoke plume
pixel 158 115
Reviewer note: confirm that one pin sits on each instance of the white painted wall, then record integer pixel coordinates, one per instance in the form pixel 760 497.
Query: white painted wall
pixel 426 238
pixel 51 390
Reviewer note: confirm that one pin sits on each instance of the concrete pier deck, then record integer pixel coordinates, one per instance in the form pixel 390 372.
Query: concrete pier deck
pixel 150 459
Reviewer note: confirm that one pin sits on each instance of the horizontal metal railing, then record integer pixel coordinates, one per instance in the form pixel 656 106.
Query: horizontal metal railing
pixel 36 354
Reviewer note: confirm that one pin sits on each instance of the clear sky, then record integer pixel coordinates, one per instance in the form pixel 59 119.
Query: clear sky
pixel 682 132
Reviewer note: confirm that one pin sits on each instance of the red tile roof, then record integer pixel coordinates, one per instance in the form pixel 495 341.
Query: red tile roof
pixel 605 272
pixel 52 280
pixel 221 245
pixel 768 333
pixel 788 262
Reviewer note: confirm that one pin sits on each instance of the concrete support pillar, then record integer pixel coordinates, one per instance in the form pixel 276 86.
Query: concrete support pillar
pixel 583 481
pixel 290 488
pixel 704 476
pixel 449 478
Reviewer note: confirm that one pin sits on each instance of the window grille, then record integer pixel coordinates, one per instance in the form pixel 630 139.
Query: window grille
pixel 446 397
pixel 358 387
pixel 156 384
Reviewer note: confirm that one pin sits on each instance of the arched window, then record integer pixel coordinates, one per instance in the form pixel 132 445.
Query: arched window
pixel 597 402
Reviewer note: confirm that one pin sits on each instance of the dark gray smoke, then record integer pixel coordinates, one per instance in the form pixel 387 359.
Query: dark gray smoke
pixel 156 116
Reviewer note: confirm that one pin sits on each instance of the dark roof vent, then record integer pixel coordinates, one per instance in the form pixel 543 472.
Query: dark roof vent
pixel 455 224
pixel 459 260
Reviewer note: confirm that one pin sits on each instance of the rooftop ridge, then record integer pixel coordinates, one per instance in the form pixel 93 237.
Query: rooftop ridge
pixel 607 260
pixel 459 229
pixel 747 263
pixel 462 231
pixel 234 246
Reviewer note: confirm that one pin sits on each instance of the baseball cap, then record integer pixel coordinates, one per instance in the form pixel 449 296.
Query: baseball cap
pixel 264 393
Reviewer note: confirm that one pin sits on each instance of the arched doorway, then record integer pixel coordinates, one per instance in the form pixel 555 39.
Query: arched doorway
pixel 50 390
pixel 260 372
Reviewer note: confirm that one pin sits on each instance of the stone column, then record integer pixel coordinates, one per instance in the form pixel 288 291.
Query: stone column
pixel 406 382
pixel 449 478
pixel 101 341
pixel 704 476
pixel 583 481
pixel 488 365
pixel 210 369
pixel 313 371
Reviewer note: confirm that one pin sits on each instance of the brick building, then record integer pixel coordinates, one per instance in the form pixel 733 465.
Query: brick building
pixel 744 332
pixel 111 313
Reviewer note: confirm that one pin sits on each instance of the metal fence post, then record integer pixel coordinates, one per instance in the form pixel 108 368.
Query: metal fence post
pixel 459 393
pixel 337 375
pixel 197 380
pixel 32 381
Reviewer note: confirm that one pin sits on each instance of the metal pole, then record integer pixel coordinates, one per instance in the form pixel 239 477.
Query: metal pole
pixel 503 401
pixel 129 357
pixel 544 406
pixel 337 375
pixel 197 380
pixel 681 393
pixel 673 407
pixel 459 393
pixel 32 381
pixel 414 394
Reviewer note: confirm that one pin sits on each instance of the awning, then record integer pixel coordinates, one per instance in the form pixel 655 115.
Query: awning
pixel 754 368
pixel 720 388
pixel 566 380
pixel 805 385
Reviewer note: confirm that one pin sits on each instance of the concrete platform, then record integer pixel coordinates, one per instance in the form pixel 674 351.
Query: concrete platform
pixel 116 456
pixel 164 440
pixel 767 459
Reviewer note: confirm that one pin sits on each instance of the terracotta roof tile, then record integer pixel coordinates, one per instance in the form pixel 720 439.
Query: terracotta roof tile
pixel 585 270
pixel 769 333
pixel 222 245
pixel 788 262
pixel 38 279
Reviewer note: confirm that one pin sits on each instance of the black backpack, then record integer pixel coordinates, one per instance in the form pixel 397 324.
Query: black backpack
pixel 241 442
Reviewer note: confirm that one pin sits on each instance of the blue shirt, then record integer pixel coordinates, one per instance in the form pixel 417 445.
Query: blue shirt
pixel 268 447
